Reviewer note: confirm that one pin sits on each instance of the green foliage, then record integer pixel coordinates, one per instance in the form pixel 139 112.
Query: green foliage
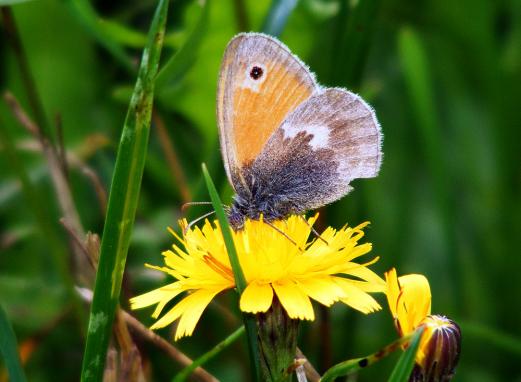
pixel 9 349
pixel 403 368
pixel 444 78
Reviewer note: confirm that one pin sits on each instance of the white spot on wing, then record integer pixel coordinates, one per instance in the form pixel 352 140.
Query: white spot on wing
pixel 320 134
pixel 251 83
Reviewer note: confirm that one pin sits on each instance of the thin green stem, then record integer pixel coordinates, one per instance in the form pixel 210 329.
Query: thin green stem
pixel 185 373
pixel 356 364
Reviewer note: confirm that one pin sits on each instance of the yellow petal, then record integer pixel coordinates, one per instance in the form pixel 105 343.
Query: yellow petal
pixel 323 290
pixel 257 297
pixel 362 272
pixel 392 291
pixel 167 293
pixel 189 309
pixel 196 303
pixel 296 302
pixel 357 298
pixel 415 301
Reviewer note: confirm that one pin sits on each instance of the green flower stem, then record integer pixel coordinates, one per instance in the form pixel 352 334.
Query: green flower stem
pixel 240 281
pixel 123 199
pixel 357 364
pixel 277 343
pixel 185 373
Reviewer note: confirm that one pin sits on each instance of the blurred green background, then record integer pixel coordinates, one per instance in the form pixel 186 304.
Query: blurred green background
pixel 444 78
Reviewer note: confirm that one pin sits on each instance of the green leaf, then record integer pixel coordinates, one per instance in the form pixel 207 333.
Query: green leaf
pixel 403 368
pixel 86 15
pixel 9 349
pixel 185 373
pixel 240 281
pixel 278 16
pixel 183 59
pixel 122 34
pixel 123 200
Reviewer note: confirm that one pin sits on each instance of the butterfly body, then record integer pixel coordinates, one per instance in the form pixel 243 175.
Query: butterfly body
pixel 288 144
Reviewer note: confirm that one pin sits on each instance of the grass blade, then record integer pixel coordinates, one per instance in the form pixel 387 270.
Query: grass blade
pixel 183 59
pixel 9 349
pixel 185 373
pixel 240 281
pixel 403 368
pixel 278 16
pixel 123 199
pixel 354 365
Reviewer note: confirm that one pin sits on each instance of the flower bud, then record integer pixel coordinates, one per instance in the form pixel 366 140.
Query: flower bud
pixel 439 350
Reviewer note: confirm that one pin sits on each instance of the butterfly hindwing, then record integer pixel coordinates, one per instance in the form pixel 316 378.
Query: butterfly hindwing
pixel 260 83
pixel 330 139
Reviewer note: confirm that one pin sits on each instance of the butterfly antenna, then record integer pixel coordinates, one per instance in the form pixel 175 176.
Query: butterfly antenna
pixel 285 235
pixel 314 230
pixel 185 206
pixel 197 220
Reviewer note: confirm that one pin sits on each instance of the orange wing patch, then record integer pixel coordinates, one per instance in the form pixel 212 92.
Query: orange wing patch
pixel 259 113
pixel 260 83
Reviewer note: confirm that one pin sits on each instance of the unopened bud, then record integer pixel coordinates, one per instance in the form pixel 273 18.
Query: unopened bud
pixel 439 350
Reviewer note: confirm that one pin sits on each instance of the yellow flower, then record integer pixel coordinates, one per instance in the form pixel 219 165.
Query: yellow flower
pixel 409 299
pixel 323 270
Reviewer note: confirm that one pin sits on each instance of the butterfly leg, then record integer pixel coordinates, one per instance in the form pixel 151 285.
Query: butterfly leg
pixel 284 234
pixel 197 220
pixel 314 230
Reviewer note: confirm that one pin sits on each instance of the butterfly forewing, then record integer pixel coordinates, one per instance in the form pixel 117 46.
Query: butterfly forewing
pixel 260 83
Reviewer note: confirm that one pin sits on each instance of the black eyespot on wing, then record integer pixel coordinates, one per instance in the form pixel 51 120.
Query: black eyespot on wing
pixel 256 72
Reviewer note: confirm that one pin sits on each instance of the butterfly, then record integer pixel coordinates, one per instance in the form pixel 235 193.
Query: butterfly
pixel 288 144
